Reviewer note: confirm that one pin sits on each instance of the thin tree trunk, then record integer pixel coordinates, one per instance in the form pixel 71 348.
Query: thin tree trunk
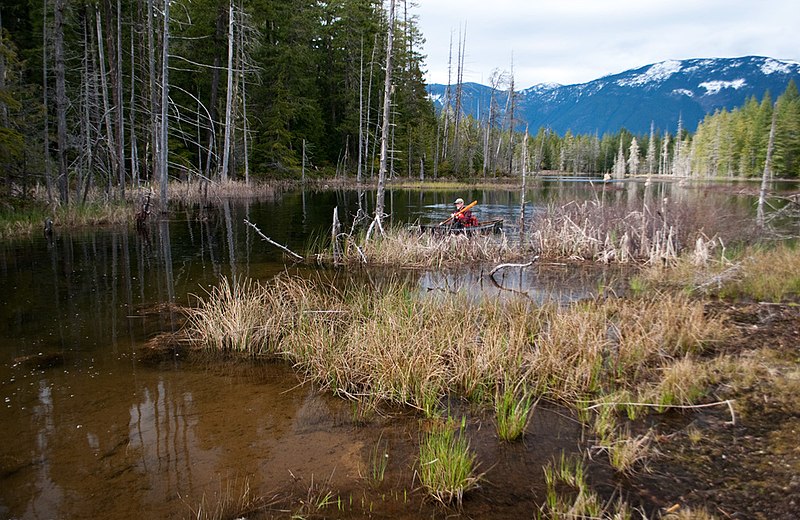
pixel 387 91
pixel 106 108
pixel 48 175
pixel 360 111
pixel 61 101
pixel 120 106
pixel 163 159
pixel 134 151
pixel 522 191
pixel 154 129
pixel 762 196
pixel 245 126
pixel 369 103
pixel 228 98
pixel 512 104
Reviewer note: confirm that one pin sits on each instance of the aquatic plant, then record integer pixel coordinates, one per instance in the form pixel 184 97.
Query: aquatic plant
pixel 568 495
pixel 512 412
pixel 233 500
pixel 446 464
pixel 379 461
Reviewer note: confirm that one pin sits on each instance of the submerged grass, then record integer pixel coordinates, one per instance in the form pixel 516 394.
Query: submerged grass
pixel 512 412
pixel 446 464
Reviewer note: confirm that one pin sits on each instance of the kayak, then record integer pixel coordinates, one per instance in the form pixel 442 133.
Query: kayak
pixel 483 228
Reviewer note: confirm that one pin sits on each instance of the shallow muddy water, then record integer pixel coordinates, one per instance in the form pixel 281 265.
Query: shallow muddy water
pixel 89 430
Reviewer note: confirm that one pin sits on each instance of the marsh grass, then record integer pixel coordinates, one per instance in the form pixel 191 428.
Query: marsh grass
pixel 389 344
pixel 447 467
pixel 378 461
pixel 400 245
pixel 771 275
pixel 568 494
pixel 199 191
pixel 29 219
pixel 235 499
pixel 513 409
pixel 759 273
pixel 654 231
pixel 626 452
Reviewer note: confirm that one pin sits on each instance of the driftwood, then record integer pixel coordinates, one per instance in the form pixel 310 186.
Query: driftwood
pixel 503 266
pixel 291 253
pixel 727 402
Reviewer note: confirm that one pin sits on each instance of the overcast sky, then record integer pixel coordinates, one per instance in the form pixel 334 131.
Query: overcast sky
pixel 575 41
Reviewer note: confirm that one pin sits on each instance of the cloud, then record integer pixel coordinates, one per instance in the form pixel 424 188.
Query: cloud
pixel 574 41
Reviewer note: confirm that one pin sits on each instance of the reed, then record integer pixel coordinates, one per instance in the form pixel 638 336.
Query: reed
pixel 656 232
pixel 771 275
pixel 30 218
pixel 568 494
pixel 234 500
pixel 512 412
pixel 626 452
pixel 200 191
pixel 379 461
pixel 409 248
pixel 755 272
pixel 446 464
pixel 389 344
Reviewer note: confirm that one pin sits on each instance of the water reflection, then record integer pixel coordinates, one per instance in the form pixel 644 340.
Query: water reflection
pixel 539 282
pixel 86 431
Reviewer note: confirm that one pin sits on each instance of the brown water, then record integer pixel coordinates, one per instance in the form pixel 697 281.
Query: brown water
pixel 89 430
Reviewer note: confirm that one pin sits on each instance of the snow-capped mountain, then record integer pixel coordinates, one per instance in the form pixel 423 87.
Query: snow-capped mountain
pixel 660 93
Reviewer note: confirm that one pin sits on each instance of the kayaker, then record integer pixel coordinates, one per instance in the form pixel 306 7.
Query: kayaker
pixel 465 218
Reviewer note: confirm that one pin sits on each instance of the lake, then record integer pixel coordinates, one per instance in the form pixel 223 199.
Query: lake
pixel 90 428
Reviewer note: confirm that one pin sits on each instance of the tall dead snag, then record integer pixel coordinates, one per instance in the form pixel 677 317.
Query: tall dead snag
pixel 387 94
pixel 767 168
pixel 524 187
pixel 163 148
pixel 61 101
pixel 336 228
pixel 229 99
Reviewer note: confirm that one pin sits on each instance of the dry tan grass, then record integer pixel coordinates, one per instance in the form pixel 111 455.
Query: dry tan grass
pixel 392 345
pixel 198 191
pixel 409 248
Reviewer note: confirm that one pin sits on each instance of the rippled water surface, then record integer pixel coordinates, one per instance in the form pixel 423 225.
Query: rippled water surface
pixel 89 429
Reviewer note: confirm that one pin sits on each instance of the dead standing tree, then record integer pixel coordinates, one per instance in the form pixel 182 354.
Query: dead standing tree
pixel 387 93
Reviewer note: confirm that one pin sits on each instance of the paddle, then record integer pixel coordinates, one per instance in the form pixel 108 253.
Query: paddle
pixel 459 212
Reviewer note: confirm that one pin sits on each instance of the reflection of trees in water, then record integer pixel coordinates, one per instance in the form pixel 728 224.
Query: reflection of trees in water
pixel 543 283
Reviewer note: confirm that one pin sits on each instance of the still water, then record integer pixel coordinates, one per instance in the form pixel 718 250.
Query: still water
pixel 88 429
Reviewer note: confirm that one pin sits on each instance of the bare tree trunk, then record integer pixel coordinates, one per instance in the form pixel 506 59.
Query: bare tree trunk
pixel 106 109
pixel 163 148
pixel 120 106
pixel 228 98
pixel 154 129
pixel 48 175
pixel 212 105
pixel 446 105
pixel 61 101
pixel 245 126
pixel 512 104
pixel 387 92
pixel 134 151
pixel 459 94
pixel 360 111
pixel 762 196
pixel 369 101
pixel 522 191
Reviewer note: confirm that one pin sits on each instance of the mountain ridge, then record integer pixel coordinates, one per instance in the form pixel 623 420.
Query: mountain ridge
pixel 661 93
